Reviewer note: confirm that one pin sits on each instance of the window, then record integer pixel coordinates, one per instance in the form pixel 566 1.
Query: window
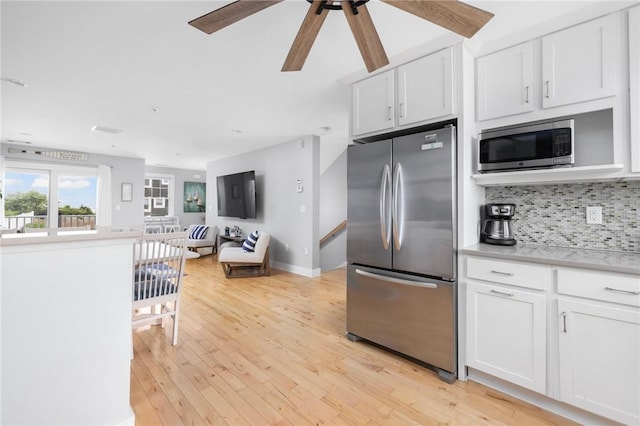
pixel 158 195
pixel 49 197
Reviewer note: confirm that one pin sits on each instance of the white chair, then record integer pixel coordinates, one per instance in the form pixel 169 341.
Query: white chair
pixel 210 239
pixel 158 261
pixel 238 263
pixel 153 229
pixel 171 228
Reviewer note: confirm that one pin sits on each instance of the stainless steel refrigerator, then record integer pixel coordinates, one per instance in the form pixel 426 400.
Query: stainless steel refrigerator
pixel 401 246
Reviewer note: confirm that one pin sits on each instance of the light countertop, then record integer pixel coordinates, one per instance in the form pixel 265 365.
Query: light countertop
pixel 613 261
pixel 33 238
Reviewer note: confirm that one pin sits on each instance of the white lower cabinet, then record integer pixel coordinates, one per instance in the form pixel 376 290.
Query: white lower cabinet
pixel 511 332
pixel 599 342
pixel 506 331
pixel 600 358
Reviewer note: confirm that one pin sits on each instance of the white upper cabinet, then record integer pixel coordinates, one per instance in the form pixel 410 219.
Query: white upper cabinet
pixel 634 86
pixel 425 88
pixel 505 82
pixel 414 93
pixel 373 104
pixel 580 63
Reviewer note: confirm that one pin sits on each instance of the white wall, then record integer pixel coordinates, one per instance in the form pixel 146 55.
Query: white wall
pixel 294 242
pixel 123 170
pixel 333 210
pixel 180 177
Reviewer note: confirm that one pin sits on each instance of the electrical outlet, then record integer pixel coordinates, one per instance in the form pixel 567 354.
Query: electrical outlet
pixel 594 215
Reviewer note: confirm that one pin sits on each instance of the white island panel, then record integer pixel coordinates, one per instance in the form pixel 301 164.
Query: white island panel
pixel 66 330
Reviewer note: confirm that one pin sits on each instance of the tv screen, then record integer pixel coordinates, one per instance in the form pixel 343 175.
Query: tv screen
pixel 237 195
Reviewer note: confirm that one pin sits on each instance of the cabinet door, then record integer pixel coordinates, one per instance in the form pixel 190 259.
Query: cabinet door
pixel 600 359
pixel 505 82
pixel 634 85
pixel 425 88
pixel 372 104
pixel 506 334
pixel 579 63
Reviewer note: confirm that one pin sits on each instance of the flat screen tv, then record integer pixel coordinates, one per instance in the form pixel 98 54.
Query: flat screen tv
pixel 237 195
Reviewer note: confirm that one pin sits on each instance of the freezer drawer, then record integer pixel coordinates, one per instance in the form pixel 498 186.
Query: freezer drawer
pixel 411 315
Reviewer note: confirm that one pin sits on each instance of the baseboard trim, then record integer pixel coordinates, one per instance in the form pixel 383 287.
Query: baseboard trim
pixel 129 421
pixel 307 272
pixel 557 407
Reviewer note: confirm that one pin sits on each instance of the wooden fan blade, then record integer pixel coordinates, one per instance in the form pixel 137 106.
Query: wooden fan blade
pixel 453 15
pixel 229 14
pixel 306 36
pixel 366 36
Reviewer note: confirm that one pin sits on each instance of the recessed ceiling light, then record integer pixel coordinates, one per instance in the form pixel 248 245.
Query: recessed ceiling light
pixel 325 129
pixel 106 129
pixel 236 132
pixel 14 81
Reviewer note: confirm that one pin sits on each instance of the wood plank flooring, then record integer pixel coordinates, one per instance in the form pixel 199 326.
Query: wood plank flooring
pixel 271 351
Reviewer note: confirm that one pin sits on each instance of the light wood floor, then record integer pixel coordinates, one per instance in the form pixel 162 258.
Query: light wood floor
pixel 272 350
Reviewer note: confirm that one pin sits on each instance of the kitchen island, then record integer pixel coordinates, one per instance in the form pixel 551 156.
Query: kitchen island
pixel 66 328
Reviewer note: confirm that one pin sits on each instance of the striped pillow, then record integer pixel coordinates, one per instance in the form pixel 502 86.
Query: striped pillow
pixel 249 244
pixel 198 232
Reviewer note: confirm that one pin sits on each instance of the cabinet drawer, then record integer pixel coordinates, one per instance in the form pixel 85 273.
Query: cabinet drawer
pixel 604 286
pixel 512 273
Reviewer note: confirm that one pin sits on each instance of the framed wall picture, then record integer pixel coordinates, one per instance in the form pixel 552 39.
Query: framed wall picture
pixel 126 192
pixel 194 198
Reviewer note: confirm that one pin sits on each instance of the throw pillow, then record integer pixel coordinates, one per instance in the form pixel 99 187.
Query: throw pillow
pixel 249 244
pixel 198 232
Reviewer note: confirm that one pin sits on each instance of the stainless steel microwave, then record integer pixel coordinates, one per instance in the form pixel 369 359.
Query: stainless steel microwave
pixel 538 145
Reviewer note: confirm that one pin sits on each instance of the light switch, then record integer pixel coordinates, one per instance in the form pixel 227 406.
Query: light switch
pixel 299 188
pixel 303 209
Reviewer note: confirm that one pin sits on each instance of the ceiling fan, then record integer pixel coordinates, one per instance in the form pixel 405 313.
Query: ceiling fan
pixel 453 15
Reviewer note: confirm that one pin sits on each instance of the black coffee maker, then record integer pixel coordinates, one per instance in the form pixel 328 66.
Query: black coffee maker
pixel 496 226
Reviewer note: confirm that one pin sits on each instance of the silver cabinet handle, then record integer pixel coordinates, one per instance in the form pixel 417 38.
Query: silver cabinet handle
pixel 389 113
pixel 526 98
pixel 564 322
pixel 396 280
pixel 506 274
pixel 547 88
pixel 503 293
pixel 617 290
pixel 402 109
pixel 385 223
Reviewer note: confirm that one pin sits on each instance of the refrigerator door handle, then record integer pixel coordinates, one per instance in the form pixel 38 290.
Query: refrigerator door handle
pixel 385 223
pixel 398 207
pixel 396 280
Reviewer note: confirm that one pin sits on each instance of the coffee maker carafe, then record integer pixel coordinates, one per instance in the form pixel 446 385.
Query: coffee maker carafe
pixel 496 227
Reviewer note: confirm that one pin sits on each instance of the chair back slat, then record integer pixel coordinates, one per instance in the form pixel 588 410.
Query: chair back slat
pixel 159 261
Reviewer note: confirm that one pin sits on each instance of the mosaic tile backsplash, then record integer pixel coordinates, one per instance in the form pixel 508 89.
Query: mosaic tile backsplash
pixel 555 214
